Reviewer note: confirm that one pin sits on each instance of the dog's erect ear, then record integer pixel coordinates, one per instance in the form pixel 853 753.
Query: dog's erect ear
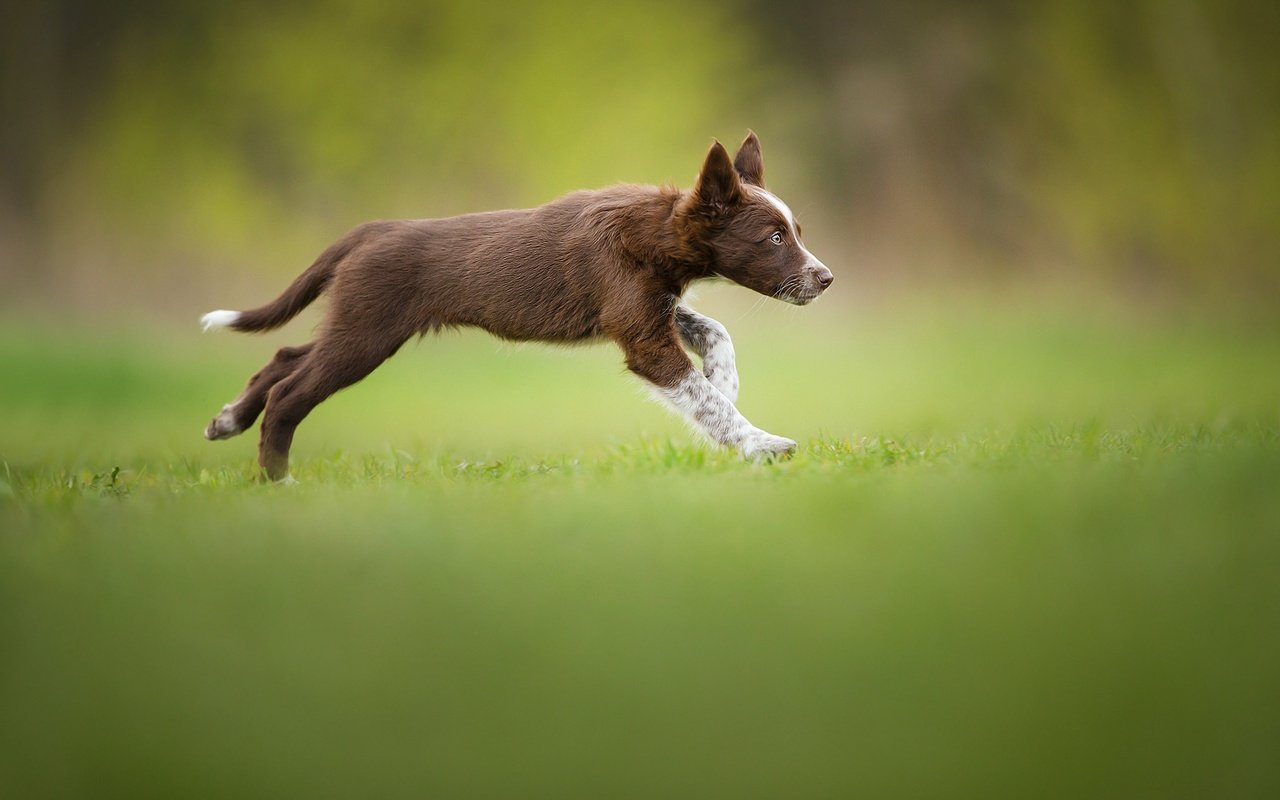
pixel 718 184
pixel 748 162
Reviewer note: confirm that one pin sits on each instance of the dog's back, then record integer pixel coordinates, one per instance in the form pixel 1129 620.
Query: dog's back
pixel 545 273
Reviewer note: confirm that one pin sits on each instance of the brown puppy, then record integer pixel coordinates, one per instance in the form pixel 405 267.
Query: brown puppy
pixel 612 263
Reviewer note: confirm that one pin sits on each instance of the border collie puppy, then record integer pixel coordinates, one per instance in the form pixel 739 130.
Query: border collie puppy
pixel 608 264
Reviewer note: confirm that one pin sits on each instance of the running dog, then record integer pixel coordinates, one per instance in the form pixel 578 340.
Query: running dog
pixel 607 264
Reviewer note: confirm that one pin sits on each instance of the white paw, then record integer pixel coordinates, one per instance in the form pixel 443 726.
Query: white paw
pixel 222 426
pixel 765 445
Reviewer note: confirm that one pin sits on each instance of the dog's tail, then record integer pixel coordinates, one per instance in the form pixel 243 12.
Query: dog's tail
pixel 300 294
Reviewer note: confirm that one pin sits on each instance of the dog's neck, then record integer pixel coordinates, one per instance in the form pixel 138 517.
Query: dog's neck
pixel 659 231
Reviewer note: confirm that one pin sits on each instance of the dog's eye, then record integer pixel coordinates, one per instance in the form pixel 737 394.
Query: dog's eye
pixel 776 238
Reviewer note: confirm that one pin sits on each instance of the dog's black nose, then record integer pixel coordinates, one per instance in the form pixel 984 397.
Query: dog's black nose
pixel 824 277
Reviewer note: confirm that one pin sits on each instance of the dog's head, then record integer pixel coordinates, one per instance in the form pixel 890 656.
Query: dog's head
pixel 752 236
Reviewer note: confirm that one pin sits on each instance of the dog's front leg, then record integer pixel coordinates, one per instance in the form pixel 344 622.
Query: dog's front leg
pixel 711 342
pixel 663 363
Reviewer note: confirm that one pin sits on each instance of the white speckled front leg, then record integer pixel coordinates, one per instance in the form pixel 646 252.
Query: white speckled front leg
pixel 713 413
pixel 711 342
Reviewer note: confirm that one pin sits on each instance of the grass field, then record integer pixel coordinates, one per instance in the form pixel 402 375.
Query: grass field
pixel 1018 555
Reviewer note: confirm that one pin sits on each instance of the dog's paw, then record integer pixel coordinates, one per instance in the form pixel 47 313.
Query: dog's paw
pixel 223 426
pixel 762 445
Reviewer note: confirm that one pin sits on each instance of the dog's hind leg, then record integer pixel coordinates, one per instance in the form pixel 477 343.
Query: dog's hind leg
pixel 240 414
pixel 332 365
pixel 711 342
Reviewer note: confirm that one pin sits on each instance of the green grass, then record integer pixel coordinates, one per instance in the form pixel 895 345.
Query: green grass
pixel 1030 554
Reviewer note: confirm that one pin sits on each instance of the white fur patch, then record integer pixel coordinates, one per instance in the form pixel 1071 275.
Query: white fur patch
pixel 218 319
pixel 772 199
pixel 224 426
pixel 719 367
pixel 713 414
pixel 711 342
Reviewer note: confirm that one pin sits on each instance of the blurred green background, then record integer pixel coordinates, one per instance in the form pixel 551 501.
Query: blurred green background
pixel 1029 545
pixel 160 153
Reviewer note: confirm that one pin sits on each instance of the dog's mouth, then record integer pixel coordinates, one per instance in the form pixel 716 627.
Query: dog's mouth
pixel 804 288
pixel 802 298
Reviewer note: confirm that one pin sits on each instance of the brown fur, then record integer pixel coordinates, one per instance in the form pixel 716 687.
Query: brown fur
pixel 611 263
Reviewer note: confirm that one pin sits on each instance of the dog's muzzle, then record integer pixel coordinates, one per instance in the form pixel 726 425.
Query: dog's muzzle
pixel 814 280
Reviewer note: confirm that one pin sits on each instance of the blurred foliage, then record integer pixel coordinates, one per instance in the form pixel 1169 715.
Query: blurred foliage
pixel 1132 140
pixel 1131 143
pixel 251 132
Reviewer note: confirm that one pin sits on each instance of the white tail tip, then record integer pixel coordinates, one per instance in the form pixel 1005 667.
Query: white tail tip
pixel 218 319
